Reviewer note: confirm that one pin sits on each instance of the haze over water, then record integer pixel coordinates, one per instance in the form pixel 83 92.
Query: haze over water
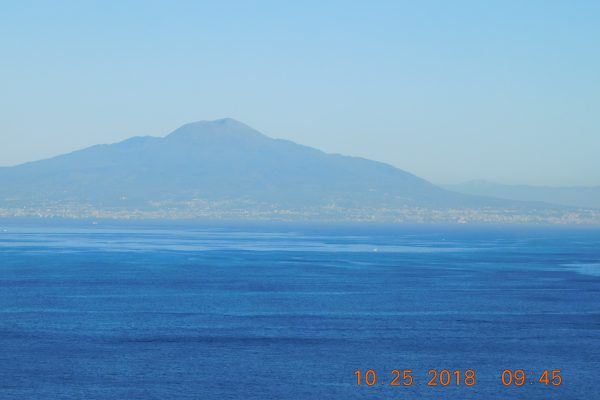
pixel 192 311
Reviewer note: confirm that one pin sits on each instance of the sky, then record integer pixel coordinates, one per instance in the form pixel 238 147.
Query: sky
pixel 506 91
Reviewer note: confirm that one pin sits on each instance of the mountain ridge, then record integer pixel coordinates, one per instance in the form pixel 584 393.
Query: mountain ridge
pixel 571 196
pixel 207 145
pixel 225 166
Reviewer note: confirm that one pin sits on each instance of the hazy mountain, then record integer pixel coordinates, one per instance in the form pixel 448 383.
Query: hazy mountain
pixel 226 169
pixel 575 196
pixel 216 160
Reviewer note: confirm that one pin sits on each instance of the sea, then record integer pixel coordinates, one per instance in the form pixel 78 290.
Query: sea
pixel 244 311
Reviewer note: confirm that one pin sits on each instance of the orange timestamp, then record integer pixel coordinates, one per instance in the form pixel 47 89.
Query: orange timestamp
pixel 447 377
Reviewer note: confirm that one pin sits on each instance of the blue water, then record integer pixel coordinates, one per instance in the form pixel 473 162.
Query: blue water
pixel 155 311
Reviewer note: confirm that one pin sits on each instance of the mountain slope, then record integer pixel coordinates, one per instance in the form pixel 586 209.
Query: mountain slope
pixel 221 160
pixel 576 196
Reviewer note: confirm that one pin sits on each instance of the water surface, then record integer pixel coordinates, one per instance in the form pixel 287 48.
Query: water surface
pixel 193 311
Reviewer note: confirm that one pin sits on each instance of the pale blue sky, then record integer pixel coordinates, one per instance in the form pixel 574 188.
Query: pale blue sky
pixel 507 91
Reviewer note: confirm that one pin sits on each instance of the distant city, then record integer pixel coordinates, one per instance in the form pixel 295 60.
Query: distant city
pixel 170 211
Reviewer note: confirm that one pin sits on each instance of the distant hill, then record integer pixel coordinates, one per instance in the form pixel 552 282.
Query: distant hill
pixel 216 160
pixel 575 196
pixel 226 169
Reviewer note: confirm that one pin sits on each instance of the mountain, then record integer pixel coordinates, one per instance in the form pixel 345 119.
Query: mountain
pixel 226 169
pixel 574 196
pixel 215 160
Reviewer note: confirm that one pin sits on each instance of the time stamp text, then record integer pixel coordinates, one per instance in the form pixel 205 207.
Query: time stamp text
pixel 447 377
